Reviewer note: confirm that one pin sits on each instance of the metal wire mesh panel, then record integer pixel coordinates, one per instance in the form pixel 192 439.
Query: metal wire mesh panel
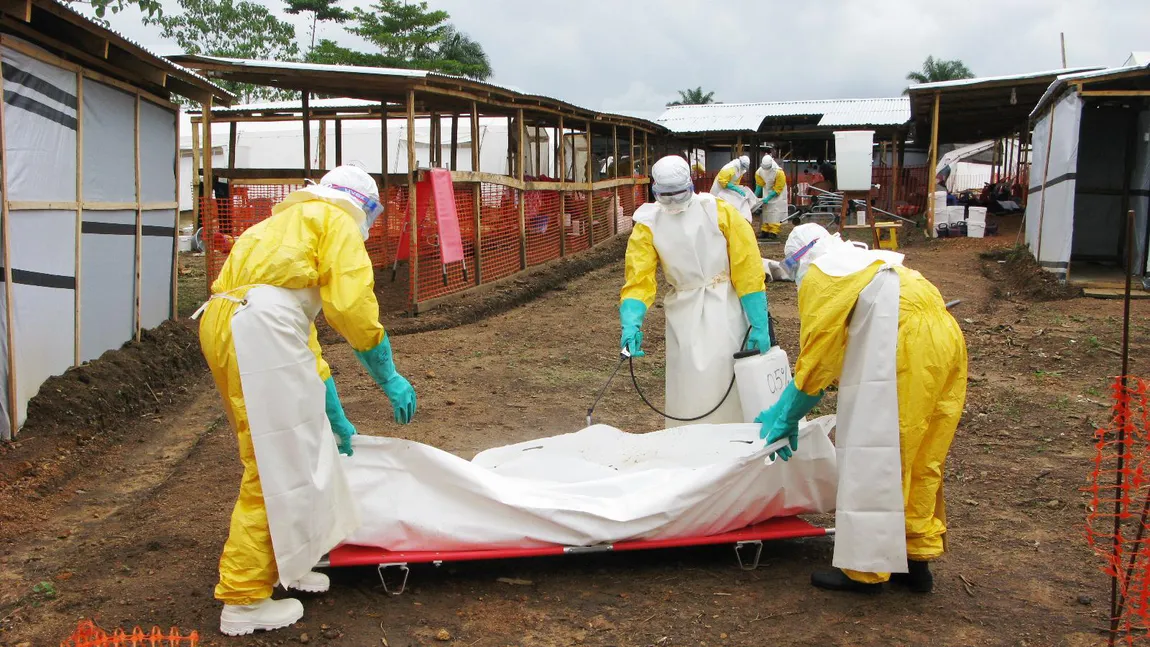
pixel 604 206
pixel 576 223
pixel 436 279
pixel 542 218
pixel 499 226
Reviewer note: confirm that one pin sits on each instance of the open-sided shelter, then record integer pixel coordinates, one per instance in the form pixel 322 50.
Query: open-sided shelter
pixel 88 172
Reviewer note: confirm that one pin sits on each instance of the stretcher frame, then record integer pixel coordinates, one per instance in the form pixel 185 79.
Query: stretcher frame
pixel 748 544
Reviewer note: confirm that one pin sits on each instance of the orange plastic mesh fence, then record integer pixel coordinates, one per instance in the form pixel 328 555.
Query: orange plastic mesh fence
pixel 577 225
pixel 543 222
pixel 550 227
pixel 87 634
pixel 1122 449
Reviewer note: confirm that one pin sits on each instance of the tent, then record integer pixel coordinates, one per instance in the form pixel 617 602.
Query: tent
pixel 1091 165
pixel 89 195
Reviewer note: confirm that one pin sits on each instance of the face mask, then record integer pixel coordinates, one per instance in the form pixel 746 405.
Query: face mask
pixel 674 202
pixel 372 208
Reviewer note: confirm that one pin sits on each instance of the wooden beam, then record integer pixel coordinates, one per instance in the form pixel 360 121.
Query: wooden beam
pixel 9 309
pixel 174 306
pixel 591 191
pixel 435 149
pixel 385 175
pixel 477 194
pixel 455 141
pixel 19 9
pixel 150 73
pixel 233 139
pixel 209 192
pixel 79 269
pixel 930 172
pixel 306 132
pixel 521 164
pixel 139 227
pixel 562 158
pixel 1115 93
pixel 68 32
pixel 321 145
pixel 413 224
pixel 339 142
pixel 196 180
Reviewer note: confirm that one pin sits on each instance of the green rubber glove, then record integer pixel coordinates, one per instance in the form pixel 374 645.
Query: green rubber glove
pixel 782 420
pixel 771 196
pixel 737 189
pixel 340 425
pixel 631 313
pixel 380 365
pixel 758 191
pixel 755 309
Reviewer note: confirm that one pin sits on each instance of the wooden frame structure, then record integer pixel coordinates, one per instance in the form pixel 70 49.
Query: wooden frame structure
pixel 53 34
pixel 408 95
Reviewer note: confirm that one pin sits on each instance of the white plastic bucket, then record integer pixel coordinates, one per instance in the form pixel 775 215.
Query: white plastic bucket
pixel 975 229
pixel 954 213
pixel 185 244
pixel 854 159
pixel 760 379
pixel 978 214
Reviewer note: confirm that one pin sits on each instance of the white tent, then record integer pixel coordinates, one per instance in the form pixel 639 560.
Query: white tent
pixel 1091 163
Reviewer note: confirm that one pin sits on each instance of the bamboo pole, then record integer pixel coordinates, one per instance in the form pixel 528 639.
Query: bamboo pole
pixel 455 141
pixel 413 223
pixel 477 193
pixel 562 157
pixel 306 135
pixel 339 142
pixel 139 225
pixel 930 174
pixel 78 272
pixel 522 164
pixel 9 304
pixel 590 192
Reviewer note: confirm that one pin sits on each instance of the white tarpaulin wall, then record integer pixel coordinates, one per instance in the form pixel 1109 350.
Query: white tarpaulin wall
pixel 42 119
pixel 1050 205
pixel 596 486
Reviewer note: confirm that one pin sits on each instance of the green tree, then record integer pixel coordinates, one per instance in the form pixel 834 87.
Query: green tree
pixel 232 29
pixel 693 97
pixel 321 11
pixel 407 32
pixel 935 70
pixel 150 8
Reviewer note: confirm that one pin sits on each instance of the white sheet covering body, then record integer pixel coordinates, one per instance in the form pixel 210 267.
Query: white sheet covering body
pixel 595 486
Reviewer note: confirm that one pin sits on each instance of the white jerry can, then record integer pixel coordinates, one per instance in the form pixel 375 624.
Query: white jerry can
pixel 760 379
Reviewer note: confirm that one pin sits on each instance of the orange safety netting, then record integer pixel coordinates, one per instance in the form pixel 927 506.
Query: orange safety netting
pixel 553 225
pixel 87 634
pixel 1117 527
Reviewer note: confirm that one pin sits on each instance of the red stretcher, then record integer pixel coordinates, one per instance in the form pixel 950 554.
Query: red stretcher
pixel 748 544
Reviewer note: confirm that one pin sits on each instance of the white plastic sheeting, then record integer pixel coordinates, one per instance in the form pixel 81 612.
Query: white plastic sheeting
pixel 109 144
pixel 40 129
pixel 595 486
pixel 1050 207
pixel 107 281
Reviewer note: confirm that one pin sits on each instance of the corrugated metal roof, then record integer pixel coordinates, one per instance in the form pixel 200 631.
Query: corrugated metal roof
pixel 295 106
pixel 731 117
pixel 1095 76
pixel 940 85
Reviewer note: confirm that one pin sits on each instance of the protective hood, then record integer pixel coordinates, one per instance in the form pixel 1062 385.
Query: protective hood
pixel 331 196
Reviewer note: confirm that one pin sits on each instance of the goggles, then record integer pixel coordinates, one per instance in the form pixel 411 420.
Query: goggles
pixel 372 208
pixel 791 263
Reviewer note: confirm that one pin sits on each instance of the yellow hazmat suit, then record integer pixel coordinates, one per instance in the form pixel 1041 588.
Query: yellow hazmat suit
pixel 931 375
pixel 307 243
pixel 775 211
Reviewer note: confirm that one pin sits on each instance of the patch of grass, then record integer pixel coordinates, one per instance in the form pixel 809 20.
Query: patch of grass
pixel 1094 391
pixel 1063 403
pixel 1094 343
pixel 1040 374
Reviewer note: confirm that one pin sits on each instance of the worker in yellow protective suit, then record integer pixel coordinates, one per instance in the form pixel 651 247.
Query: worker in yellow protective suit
pixel 711 260
pixel 259 338
pixel 771 179
pixel 897 415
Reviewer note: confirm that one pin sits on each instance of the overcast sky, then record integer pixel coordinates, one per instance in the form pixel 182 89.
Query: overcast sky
pixel 633 55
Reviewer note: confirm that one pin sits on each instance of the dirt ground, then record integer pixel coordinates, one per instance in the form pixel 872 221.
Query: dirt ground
pixel 130 534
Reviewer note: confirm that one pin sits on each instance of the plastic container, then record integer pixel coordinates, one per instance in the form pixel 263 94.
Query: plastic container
pixel 854 155
pixel 860 217
pixel 955 213
pixel 976 229
pixel 185 244
pixel 760 379
pixel 977 214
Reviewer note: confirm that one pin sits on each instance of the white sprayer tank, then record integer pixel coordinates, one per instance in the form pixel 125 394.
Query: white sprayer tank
pixel 760 379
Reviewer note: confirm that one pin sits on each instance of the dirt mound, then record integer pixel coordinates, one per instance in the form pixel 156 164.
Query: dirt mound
pixel 1017 275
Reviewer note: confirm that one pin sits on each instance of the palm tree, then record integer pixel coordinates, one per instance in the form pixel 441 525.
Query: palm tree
pixel 935 70
pixel 693 97
pixel 469 54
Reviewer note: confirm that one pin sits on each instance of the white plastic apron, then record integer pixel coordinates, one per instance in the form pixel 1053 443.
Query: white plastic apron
pixel 705 322
pixel 776 210
pixel 309 505
pixel 744 204
pixel 870 520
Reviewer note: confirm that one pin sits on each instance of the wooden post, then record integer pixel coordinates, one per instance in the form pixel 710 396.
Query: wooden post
pixel 631 156
pixel 455 141
pixel 896 163
pixel 197 181
pixel 521 160
pixel 477 193
pixel 385 165
pixel 615 191
pixel 306 135
pixel 646 164
pixel 562 157
pixel 339 142
pixel 883 165
pixel 511 147
pixel 436 141
pixel 413 224
pixel 77 323
pixel 930 173
pixel 209 193
pixel 538 170
pixel 174 310
pixel 233 137
pixel 139 222
pixel 9 306
pixel 590 191
pixel 321 145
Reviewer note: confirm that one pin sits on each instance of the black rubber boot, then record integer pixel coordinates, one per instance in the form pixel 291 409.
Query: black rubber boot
pixel 836 580
pixel 764 235
pixel 918 580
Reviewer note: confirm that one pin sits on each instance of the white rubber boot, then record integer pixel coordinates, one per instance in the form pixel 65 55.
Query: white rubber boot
pixel 313 582
pixel 265 615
